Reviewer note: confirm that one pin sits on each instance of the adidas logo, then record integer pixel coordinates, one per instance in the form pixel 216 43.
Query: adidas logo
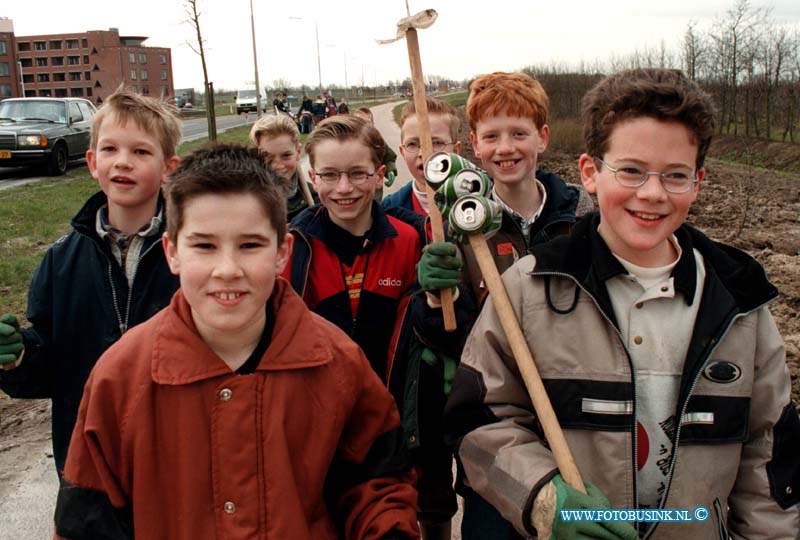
pixel 389 282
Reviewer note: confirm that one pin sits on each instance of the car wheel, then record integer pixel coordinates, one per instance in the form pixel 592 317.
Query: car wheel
pixel 58 160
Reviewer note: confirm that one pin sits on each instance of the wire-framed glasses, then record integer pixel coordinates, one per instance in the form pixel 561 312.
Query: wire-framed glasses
pixel 678 180
pixel 355 177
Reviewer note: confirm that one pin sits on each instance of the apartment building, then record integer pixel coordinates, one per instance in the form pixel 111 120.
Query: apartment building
pixel 87 64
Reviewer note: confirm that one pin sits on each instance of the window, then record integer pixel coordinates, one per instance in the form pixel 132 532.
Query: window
pixel 5 90
pixel 163 74
pixel 59 77
pixel 132 57
pixel 30 93
pixel 40 45
pixel 43 77
pixel 72 44
pixel 27 78
pixel 74 75
pixel 74 60
pixel 84 43
pixel 164 91
pixel 58 60
pixel 45 92
pixel 145 90
pixel 61 92
pixel 41 62
pixel 76 92
pixel 3 47
pixel 55 44
pixel 88 91
pixel 143 75
pixel 142 58
pixel 134 88
pixel 74 112
pixel 85 58
pixel 4 72
pixel 23 46
pixel 26 62
pixel 86 110
pixel 162 58
pixel 87 75
pixel 133 74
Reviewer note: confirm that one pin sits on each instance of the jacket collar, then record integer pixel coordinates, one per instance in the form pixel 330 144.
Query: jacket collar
pixel 180 356
pixel 586 257
pixel 314 222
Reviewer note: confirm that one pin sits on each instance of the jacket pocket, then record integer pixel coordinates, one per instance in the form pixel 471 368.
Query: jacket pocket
pixel 721 520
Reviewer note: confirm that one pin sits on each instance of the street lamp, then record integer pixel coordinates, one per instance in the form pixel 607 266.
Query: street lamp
pixel 255 60
pixel 319 64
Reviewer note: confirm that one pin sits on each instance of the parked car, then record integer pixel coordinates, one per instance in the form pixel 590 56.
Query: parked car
pixel 44 131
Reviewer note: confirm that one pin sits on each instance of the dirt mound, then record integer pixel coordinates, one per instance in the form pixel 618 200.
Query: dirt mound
pixel 773 155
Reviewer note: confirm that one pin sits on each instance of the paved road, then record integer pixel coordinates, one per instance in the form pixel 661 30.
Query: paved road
pixel 193 128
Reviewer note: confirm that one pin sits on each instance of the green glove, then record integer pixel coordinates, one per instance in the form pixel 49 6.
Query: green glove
pixel 439 267
pixel 565 497
pixel 444 362
pixel 10 339
pixel 388 179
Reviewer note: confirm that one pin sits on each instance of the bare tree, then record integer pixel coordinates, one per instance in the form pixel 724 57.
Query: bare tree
pixel 733 36
pixel 194 19
pixel 693 51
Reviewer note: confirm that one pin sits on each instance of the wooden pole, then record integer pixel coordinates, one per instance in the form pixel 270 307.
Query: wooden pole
pixel 526 364
pixel 437 228
pixel 304 186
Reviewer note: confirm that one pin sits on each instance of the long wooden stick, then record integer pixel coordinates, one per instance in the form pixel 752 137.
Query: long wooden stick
pixel 304 186
pixel 525 363
pixel 448 311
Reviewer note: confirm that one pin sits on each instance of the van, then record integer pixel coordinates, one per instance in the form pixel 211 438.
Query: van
pixel 246 101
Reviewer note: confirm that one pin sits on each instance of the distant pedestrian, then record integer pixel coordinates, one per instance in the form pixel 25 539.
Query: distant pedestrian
pixel 318 109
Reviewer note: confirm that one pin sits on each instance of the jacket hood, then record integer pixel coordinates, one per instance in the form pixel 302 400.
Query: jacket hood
pixel 182 357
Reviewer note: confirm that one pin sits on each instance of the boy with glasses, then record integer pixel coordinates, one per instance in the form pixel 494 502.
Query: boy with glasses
pixel 354 263
pixel 444 122
pixel 656 346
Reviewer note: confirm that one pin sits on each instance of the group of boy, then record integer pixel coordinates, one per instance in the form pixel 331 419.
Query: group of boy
pixel 306 371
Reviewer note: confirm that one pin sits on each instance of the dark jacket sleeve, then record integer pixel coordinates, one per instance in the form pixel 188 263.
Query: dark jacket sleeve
pixel 33 378
pixel 371 483
pixel 92 501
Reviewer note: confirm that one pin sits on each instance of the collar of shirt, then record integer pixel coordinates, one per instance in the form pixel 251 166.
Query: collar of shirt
pixel 105 229
pixel 422 197
pixel 519 219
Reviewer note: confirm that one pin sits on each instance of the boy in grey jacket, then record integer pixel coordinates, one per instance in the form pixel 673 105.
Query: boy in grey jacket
pixel 655 343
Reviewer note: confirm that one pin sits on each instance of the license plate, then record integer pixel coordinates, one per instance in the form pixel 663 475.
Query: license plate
pixel 4 154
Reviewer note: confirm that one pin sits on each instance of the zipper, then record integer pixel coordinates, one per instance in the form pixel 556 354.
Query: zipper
pixel 685 403
pixel 630 366
pixel 723 528
pixel 123 323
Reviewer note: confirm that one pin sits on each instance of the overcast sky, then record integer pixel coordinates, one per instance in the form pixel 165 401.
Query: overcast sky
pixel 465 41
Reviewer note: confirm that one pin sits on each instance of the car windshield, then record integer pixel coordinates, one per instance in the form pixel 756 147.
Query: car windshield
pixel 48 111
pixel 247 94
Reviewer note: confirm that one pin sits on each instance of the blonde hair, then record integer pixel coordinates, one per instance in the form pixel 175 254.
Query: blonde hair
pixel 345 127
pixel 435 106
pixel 153 115
pixel 274 125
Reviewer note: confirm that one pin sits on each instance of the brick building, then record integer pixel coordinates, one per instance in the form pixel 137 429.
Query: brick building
pixel 88 64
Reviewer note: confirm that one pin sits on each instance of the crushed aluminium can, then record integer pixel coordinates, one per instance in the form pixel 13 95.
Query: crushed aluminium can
pixel 441 165
pixel 464 182
pixel 475 214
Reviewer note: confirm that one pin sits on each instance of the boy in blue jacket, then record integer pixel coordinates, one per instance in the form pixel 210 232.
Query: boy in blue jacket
pixel 105 276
